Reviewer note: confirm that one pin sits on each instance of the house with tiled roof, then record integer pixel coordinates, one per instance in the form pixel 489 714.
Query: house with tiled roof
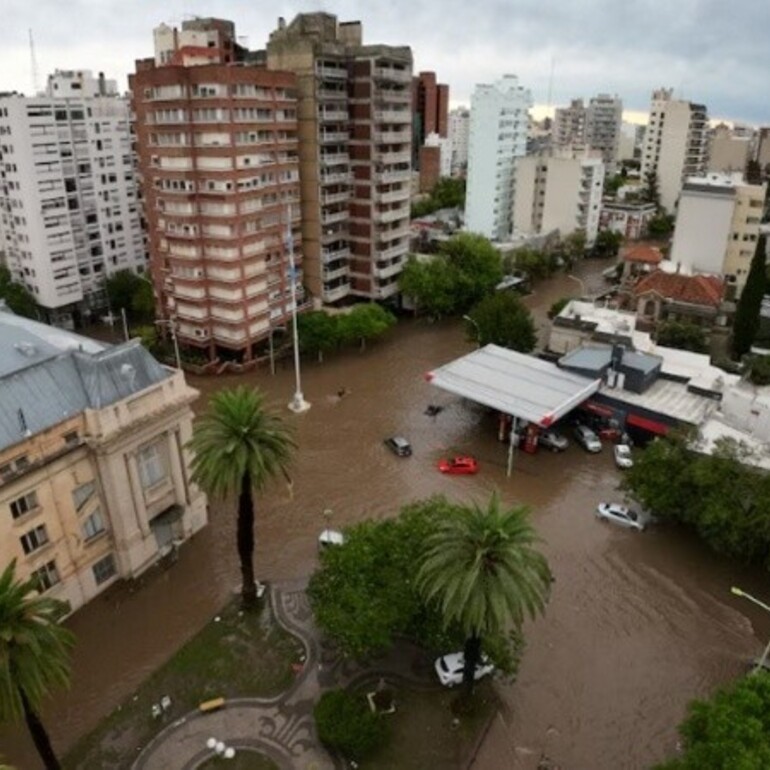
pixel 640 260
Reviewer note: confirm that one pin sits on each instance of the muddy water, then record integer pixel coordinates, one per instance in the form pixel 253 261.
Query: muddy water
pixel 638 624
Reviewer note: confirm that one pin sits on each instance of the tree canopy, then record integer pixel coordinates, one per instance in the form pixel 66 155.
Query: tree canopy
pixel 449 192
pixel 16 295
pixel 364 322
pixel 730 731
pixel 126 290
pixel 651 189
pixel 607 244
pixel 318 332
pixel 682 335
pixel 502 319
pixel 746 323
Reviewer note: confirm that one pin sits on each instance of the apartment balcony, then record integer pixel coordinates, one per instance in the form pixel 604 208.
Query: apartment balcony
pixel 226 295
pixel 394 157
pixel 174 164
pixel 394 233
pixel 191 312
pixel 393 74
pixel 383 292
pixel 392 137
pixel 403 96
pixel 226 276
pixel 333 116
pixel 333 275
pixel 223 334
pixel 336 234
pixel 341 178
pixel 333 137
pixel 391 252
pixel 188 292
pixel 393 177
pixel 332 255
pixel 388 272
pixel 221 254
pixel 393 116
pixel 334 158
pixel 333 73
pixel 395 196
pixel 332 217
pixel 391 215
pixel 335 293
pixel 339 197
pixel 229 315
pixel 218 209
pixel 331 93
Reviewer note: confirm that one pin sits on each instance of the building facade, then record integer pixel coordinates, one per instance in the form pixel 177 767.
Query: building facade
pixel 69 207
pixel 459 130
pixel 218 155
pixel 627 218
pixel 355 154
pixel 498 136
pixel 94 475
pixel 717 227
pixel 569 126
pixel 675 144
pixel 729 152
pixel 558 192
pixel 604 118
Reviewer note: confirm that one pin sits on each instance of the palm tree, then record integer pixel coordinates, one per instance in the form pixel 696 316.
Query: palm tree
pixel 239 445
pixel 482 568
pixel 34 655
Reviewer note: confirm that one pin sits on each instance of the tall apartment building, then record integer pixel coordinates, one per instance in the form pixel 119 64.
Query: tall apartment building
pixel 218 156
pixel 569 126
pixel 458 132
pixel 604 117
pixel 729 151
pixel 498 136
pixel 355 132
pixel 69 209
pixel 717 226
pixel 430 104
pixel 559 192
pixel 94 477
pixel 762 155
pixel 675 144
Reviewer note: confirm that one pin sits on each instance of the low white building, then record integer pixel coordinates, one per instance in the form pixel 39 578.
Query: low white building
pixel 558 192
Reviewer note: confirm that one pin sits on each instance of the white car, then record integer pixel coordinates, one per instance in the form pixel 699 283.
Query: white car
pixel 623 457
pixel 587 439
pixel 552 440
pixel 621 515
pixel 450 668
pixel 330 537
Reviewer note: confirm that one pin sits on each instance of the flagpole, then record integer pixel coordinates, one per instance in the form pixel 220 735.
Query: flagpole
pixel 298 403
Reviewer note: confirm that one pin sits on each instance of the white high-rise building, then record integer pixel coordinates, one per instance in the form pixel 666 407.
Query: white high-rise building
pixel 558 192
pixel 498 135
pixel 68 196
pixel 80 84
pixel 458 130
pixel 675 144
pixel 604 116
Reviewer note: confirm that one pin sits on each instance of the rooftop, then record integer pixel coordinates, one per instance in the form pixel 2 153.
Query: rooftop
pixel 604 320
pixel 650 255
pixel 705 290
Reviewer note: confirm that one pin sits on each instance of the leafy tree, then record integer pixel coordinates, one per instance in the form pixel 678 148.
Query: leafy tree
pixel 365 322
pixel 34 656
pixel 607 244
pixel 476 266
pixel 575 246
pixel 430 285
pixel 759 373
pixel 683 335
pixel 449 192
pixel 660 226
pixel 482 569
pixel 238 446
pixel 651 190
pixel 126 290
pixel 746 323
pixel 613 184
pixel 319 332
pixel 16 295
pixel 346 724
pixel 535 263
pixel 731 731
pixel 502 319
pixel 558 306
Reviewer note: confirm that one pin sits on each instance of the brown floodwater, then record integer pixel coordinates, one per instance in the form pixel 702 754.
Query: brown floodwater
pixel 638 624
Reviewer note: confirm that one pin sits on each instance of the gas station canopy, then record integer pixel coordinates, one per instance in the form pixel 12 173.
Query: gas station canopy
pixel 514 383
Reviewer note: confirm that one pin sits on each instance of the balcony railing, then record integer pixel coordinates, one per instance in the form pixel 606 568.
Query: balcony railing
pixel 339 197
pixel 329 255
pixel 393 116
pixel 336 293
pixel 391 73
pixel 331 217
pixel 329 137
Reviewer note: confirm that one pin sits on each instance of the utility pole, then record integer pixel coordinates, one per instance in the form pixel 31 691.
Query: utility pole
pixel 36 89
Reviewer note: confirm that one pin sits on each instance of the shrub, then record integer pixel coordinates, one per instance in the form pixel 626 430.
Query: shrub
pixel 346 724
pixel 557 307
pixel 759 373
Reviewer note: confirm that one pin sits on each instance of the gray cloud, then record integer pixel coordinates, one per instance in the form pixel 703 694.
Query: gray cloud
pixel 710 51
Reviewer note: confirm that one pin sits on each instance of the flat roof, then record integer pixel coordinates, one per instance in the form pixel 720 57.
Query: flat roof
pixel 514 383
pixel 714 429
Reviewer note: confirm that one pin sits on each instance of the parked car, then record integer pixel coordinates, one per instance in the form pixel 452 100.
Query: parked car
pixel 552 440
pixel 459 466
pixel 587 439
pixel 330 537
pixel 621 515
pixel 399 445
pixel 450 668
pixel 623 458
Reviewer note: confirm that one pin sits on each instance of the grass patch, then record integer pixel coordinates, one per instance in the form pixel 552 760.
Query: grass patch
pixel 423 734
pixel 243 760
pixel 240 655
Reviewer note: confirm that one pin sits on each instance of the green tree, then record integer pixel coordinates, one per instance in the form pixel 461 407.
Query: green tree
pixel 534 262
pixel 475 265
pixel 34 656
pixel 365 322
pixel 660 226
pixel 613 184
pixel 746 323
pixel 683 335
pixel 502 319
pixel 238 447
pixel 731 731
pixel 651 189
pixel 449 192
pixel 429 285
pixel 16 295
pixel 319 332
pixel 607 244
pixel 132 293
pixel 558 306
pixel 482 569
pixel 575 246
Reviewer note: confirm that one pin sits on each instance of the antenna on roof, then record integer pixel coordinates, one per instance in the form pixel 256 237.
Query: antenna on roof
pixel 23 423
pixel 35 72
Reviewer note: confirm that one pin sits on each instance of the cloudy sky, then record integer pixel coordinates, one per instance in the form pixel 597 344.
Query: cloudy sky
pixel 709 51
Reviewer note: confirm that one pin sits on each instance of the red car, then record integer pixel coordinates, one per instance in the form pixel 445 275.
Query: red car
pixel 458 466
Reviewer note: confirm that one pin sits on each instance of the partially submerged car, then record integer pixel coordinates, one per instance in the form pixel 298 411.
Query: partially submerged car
pixel 399 446
pixel 587 439
pixel 461 465
pixel 553 440
pixel 330 537
pixel 621 515
pixel 623 456
pixel 450 668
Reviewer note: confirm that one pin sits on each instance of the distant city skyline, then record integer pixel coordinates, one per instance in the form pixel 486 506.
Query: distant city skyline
pixel 709 53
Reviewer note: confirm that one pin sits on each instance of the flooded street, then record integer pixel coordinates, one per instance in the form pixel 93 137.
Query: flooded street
pixel 638 623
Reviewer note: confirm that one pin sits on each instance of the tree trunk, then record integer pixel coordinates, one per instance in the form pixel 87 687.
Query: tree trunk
pixel 472 655
pixel 39 735
pixel 245 537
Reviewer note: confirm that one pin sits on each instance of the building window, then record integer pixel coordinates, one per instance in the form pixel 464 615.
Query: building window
pixel 24 504
pixel 46 576
pixel 71 438
pixel 93 525
pixel 104 569
pixel 151 466
pixel 82 494
pixel 34 539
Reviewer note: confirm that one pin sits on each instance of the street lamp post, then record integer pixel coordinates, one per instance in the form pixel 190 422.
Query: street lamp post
pixel 738 592
pixel 475 326
pixel 298 403
pixel 171 323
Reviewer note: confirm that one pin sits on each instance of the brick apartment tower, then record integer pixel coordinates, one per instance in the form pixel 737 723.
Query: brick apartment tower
pixel 430 102
pixel 217 149
pixel 354 106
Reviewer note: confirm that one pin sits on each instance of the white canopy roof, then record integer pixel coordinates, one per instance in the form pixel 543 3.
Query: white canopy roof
pixel 514 383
